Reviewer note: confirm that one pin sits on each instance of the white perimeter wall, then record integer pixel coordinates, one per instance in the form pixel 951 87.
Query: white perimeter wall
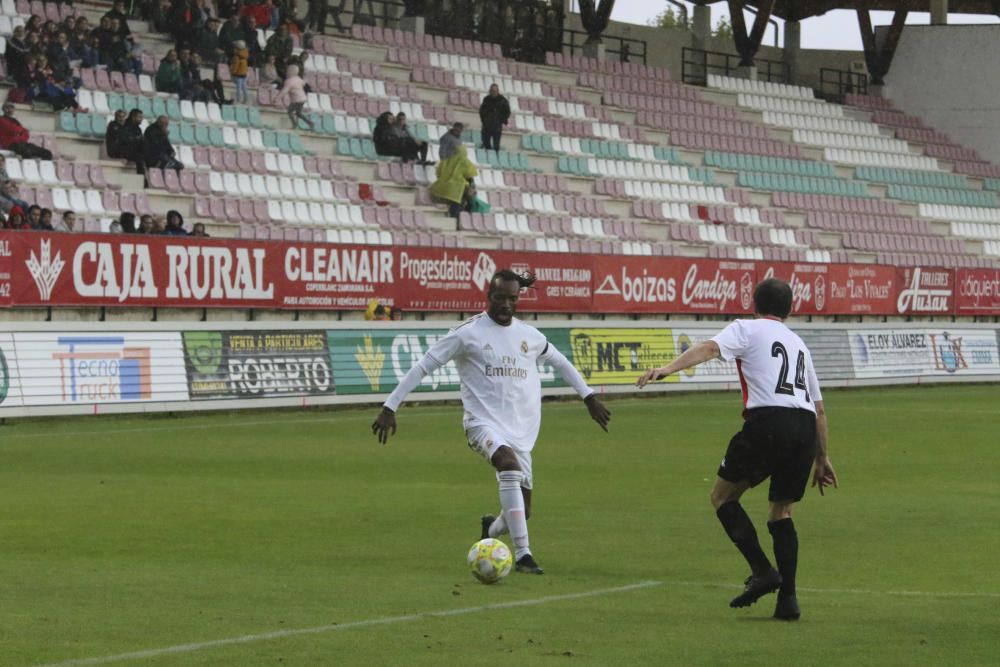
pixel 950 76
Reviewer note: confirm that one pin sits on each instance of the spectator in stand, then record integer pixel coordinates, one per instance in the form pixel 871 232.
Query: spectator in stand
pixel 280 46
pixel 112 136
pixel 58 55
pixel 294 92
pixel 127 222
pixel 396 315
pixel 67 223
pixel 115 227
pixel 86 52
pixel 45 220
pixel 130 141
pixel 146 225
pixel 160 15
pixel 454 174
pixel 199 230
pixel 238 68
pixel 231 31
pixel 227 8
pixel 34 23
pixel 175 224
pixel 119 49
pixel 4 176
pixel 105 35
pixel 450 141
pixel 168 76
pixel 159 224
pixel 259 11
pixel 184 19
pixel 10 198
pixel 269 73
pixel 117 12
pixel 17 50
pixel 316 15
pixel 494 113
pixel 133 59
pixel 208 45
pixel 158 151
pixel 383 136
pixel 51 89
pixel 16 220
pixel 410 148
pixel 34 215
pixel 14 136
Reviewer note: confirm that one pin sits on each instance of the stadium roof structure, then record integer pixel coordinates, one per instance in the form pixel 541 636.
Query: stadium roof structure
pixel 793 10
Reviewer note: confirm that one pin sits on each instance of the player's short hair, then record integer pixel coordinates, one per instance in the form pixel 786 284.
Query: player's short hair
pixel 773 297
pixel 506 275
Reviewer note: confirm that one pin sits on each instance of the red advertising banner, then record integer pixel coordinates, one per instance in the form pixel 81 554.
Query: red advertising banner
pixel 978 292
pixel 925 291
pixel 38 269
pixel 106 270
pixel 672 285
pixel 837 289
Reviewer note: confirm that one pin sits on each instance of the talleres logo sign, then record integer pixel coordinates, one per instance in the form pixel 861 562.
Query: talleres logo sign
pixel 925 291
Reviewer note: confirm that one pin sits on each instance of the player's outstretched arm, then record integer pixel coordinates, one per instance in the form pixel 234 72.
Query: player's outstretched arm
pixel 384 425
pixel 824 475
pixel 699 354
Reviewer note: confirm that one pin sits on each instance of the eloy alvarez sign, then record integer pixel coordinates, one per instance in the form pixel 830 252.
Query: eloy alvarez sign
pixel 41 269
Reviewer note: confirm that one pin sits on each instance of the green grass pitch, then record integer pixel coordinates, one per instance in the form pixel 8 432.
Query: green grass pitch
pixel 129 534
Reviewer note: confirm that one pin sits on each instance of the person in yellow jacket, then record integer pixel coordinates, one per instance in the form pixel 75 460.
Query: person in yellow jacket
pixel 454 173
pixel 238 67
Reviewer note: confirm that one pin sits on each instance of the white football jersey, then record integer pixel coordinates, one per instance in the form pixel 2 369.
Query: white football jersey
pixel 775 366
pixel 498 366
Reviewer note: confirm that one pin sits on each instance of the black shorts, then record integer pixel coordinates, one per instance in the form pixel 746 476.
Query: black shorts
pixel 779 443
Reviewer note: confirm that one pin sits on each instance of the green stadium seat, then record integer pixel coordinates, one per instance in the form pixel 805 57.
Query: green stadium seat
pixel 67 122
pixel 173 109
pixel 187 133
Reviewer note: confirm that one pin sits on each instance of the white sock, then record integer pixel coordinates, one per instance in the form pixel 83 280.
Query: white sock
pixel 498 527
pixel 512 508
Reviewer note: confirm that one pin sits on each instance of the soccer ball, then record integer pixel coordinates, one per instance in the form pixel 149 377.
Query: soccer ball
pixel 490 560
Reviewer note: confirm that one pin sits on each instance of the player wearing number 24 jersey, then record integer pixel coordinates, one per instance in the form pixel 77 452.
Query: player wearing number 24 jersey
pixel 784 433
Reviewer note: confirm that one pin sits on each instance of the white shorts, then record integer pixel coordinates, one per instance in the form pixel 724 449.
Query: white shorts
pixel 485 441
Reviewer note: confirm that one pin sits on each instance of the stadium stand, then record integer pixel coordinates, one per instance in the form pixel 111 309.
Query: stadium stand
pixel 773 174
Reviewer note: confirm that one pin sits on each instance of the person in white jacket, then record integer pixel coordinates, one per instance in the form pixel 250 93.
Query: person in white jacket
pixel 497 357
pixel 293 93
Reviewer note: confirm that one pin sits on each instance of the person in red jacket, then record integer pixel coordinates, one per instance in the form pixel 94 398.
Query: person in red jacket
pixel 14 136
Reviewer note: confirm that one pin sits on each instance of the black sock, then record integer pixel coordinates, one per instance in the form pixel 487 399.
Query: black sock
pixel 786 552
pixel 741 531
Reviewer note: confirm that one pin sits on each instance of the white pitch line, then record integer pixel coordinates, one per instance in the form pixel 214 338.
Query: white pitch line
pixel 322 629
pixel 390 620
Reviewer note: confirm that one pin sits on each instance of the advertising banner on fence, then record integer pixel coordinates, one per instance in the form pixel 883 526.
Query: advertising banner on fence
pixel 823 289
pixel 716 370
pixel 10 383
pixel 248 364
pixel 925 291
pixel 672 285
pixel 93 270
pixel 978 292
pixel 105 270
pixel 620 356
pixel 61 368
pixel 374 361
pixel 919 352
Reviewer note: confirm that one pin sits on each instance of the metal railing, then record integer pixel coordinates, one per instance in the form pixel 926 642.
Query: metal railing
pixel 835 83
pixel 697 64
pixel 624 49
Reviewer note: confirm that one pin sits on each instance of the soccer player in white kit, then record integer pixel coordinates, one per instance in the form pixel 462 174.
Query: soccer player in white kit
pixel 784 432
pixel 497 357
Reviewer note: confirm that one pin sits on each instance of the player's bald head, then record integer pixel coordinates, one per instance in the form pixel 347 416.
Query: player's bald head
pixel 772 297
